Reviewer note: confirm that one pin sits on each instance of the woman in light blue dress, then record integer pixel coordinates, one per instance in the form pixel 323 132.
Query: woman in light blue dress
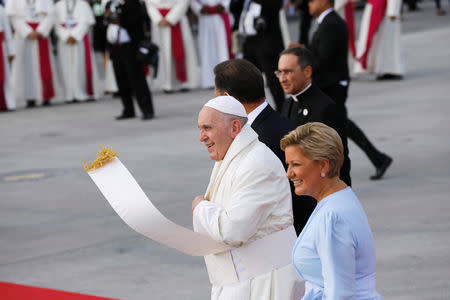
pixel 334 253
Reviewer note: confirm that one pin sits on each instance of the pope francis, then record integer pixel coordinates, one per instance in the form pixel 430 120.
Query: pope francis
pixel 247 205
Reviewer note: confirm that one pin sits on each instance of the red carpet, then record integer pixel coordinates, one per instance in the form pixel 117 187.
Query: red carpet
pixel 12 291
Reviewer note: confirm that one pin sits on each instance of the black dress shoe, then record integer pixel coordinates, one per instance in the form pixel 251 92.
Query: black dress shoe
pixel 71 101
pixel 389 77
pixel 46 103
pixel 148 116
pixel 31 103
pixel 381 169
pixel 123 117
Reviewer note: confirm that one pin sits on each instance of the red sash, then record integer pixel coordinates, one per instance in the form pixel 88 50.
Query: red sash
pixel 87 64
pixel 3 105
pixel 179 56
pixel 376 16
pixel 48 91
pixel 226 23
pixel 349 19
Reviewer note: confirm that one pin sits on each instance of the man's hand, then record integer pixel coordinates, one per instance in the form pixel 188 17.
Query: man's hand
pixel 71 40
pixel 196 201
pixel 392 18
pixel 34 35
pixel 11 58
pixel 204 10
pixel 164 22
pixel 219 9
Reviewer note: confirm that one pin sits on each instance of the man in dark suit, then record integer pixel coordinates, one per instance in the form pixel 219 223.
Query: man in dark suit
pixel 125 32
pixel 242 80
pixel 330 48
pixel 259 24
pixel 308 103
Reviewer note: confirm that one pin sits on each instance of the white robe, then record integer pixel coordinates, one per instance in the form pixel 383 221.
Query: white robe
pixel 212 39
pixel 249 199
pixel 385 54
pixel 162 36
pixel 8 50
pixel 26 77
pixel 72 58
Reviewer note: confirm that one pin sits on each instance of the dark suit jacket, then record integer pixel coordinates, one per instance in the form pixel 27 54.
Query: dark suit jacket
pixel 329 46
pixel 315 106
pixel 270 40
pixel 132 18
pixel 271 127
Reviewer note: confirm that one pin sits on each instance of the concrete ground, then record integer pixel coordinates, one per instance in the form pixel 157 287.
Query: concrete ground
pixel 57 230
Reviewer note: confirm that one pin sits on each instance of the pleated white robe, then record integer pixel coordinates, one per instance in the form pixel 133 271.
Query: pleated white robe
pixel 385 54
pixel 8 50
pixel 25 74
pixel 72 58
pixel 212 39
pixel 249 198
pixel 166 78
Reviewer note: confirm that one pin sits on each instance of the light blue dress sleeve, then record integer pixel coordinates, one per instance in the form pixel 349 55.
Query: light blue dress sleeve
pixel 336 248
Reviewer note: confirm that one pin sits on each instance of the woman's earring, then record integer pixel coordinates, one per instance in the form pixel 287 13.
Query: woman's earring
pixel 322 175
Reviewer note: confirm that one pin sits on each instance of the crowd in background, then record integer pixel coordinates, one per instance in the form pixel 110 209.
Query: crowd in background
pixel 56 59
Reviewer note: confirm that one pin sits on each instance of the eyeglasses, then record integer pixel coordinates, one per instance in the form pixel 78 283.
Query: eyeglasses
pixel 284 72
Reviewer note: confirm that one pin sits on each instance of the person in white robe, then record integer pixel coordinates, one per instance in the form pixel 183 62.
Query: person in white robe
pixel 178 68
pixel 379 47
pixel 214 36
pixel 247 205
pixel 7 54
pixel 33 70
pixel 76 58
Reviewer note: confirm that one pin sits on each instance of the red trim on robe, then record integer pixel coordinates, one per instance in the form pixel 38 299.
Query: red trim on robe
pixel 87 64
pixel 45 66
pixel 376 16
pixel 178 53
pixel 349 19
pixel 226 23
pixel 3 105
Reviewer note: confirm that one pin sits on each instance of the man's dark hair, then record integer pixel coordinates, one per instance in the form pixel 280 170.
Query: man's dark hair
pixel 305 56
pixel 240 79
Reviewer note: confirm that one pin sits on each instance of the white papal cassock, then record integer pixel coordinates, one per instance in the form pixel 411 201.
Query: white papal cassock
pixel 250 208
pixel 384 54
pixel 7 98
pixel 33 70
pixel 79 72
pixel 178 64
pixel 214 38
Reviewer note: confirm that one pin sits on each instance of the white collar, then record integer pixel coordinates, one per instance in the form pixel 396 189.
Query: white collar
pixel 304 90
pixel 324 14
pixel 255 113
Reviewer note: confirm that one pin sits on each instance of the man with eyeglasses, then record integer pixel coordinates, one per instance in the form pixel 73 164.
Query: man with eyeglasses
pixel 307 102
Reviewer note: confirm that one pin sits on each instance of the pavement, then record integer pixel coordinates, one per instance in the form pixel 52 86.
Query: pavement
pixel 57 230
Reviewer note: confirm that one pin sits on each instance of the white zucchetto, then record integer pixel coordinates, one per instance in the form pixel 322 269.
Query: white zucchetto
pixel 228 105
